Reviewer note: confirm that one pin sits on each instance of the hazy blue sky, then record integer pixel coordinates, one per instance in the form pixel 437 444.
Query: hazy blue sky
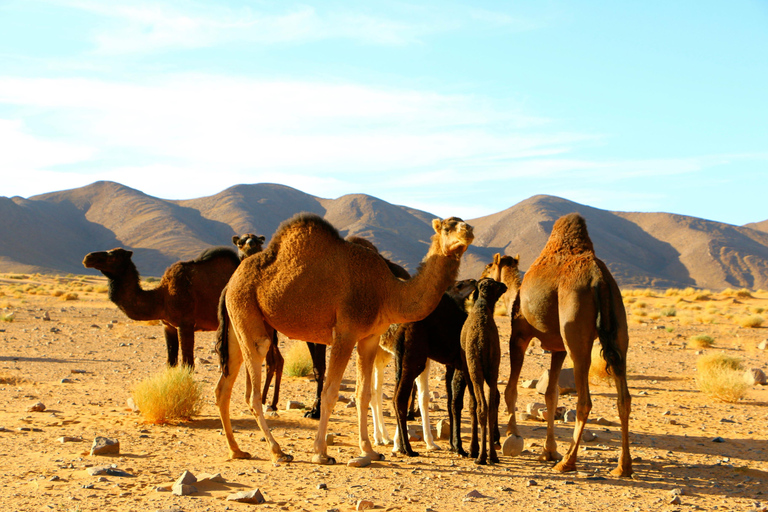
pixel 451 107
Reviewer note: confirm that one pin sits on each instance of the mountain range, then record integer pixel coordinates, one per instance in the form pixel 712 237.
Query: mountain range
pixel 50 233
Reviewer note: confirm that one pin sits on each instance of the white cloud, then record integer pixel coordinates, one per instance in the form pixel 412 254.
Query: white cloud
pixel 23 151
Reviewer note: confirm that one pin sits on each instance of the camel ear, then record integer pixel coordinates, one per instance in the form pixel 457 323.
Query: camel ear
pixel 517 257
pixel 261 238
pixel 235 239
pixel 436 223
pixel 496 258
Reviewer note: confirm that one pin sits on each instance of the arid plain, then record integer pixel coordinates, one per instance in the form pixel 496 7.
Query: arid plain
pixel 81 357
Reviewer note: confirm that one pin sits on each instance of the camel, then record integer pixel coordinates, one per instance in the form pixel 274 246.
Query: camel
pixel 437 338
pixel 504 268
pixel 481 354
pixel 186 299
pixel 248 244
pixel 312 285
pixel 317 350
pixel 566 300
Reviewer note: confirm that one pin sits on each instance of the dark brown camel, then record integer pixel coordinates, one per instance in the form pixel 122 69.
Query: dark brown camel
pixel 481 355
pixel 436 337
pixel 317 351
pixel 186 299
pixel 566 300
pixel 311 284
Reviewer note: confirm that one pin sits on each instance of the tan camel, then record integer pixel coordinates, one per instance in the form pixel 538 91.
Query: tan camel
pixel 566 300
pixel 312 285
pixel 505 269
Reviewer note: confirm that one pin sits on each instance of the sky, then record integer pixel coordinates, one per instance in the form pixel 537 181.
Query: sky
pixel 455 108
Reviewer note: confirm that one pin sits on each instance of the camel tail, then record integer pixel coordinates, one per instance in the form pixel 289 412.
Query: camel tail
pixel 222 334
pixel 608 327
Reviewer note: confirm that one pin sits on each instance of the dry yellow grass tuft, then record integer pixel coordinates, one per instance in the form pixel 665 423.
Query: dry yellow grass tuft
pixel 752 321
pixel 172 395
pixel 702 341
pixel 298 362
pixel 720 376
pixel 12 380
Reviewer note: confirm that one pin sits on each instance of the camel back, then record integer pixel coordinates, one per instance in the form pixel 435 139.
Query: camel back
pixel 213 253
pixel 569 236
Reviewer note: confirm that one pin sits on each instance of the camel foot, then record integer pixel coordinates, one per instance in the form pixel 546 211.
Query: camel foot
pixel 462 453
pixel 481 461
pixel 433 448
pixel 282 457
pixel 359 462
pixel 562 467
pixel 313 414
pixel 494 459
pixel 239 454
pixel 547 456
pixel 323 460
pixel 383 442
pixel 621 472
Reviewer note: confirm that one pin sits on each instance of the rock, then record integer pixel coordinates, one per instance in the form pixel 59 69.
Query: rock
pixel 415 433
pixel 37 407
pixel 513 446
pixel 322 487
pixel 131 404
pixel 66 381
pixel 677 491
pixel 351 404
pixel 186 478
pixel 105 446
pixel 444 429
pixel 529 384
pixel 107 470
pixel 475 494
pixel 675 501
pixel 80 372
pixel 588 435
pixel 718 439
pixel 763 345
pixel 363 505
pixel 569 416
pixel 566 382
pixel 211 477
pixel 293 405
pixel 604 422
pixel 534 408
pixel 755 376
pixel 531 483
pixel 70 439
pixel 183 489
pixel 330 439
pixel 253 496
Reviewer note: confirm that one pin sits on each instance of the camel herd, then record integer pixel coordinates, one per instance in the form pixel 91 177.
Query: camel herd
pixel 311 284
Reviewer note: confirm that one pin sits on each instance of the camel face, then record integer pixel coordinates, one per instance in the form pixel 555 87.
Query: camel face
pixel 455 235
pixel 462 289
pixel 491 289
pixel 248 244
pixel 108 261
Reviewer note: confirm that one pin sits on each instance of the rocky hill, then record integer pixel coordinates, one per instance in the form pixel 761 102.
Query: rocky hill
pixel 51 233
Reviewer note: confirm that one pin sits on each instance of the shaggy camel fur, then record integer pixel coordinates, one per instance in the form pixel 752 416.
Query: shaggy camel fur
pixel 416 344
pixel 317 350
pixel 566 300
pixel 186 299
pixel 311 284
pixel 436 337
pixel 505 269
pixel 481 354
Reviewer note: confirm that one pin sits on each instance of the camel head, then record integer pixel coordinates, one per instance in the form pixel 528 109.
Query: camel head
pixel 109 262
pixel 501 266
pixel 460 290
pixel 490 290
pixel 454 236
pixel 248 244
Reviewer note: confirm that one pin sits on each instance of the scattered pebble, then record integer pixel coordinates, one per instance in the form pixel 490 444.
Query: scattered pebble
pixel 253 496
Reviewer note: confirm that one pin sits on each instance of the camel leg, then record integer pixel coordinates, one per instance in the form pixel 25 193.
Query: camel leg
pixel 422 384
pixel 171 343
pixel 474 443
pixel 493 417
pixel 224 394
pixel 317 352
pixel 279 362
pixel 455 385
pixel 366 354
pixel 408 367
pixel 517 348
pixel 583 406
pixel 380 435
pixel 341 350
pixel 624 467
pixel 187 341
pixel 270 368
pixel 550 397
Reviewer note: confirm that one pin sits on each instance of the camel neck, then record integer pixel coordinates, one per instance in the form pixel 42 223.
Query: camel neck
pixel 126 292
pixel 421 294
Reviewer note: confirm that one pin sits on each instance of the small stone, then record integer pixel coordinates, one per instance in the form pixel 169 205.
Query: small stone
pixel 529 384
pixel 531 483
pixel 183 489
pixel 105 446
pixel 675 501
pixel 588 435
pixel 211 477
pixel 330 439
pixel 131 404
pixel 763 345
pixel 351 404
pixel 677 491
pixel 569 416
pixel 604 422
pixel 70 439
pixel 718 439
pixel 66 381
pixel 534 408
pixel 293 405
pixel 253 496
pixel 186 478
pixel 77 371
pixel 363 505
pixel 755 376
pixel 37 407
pixel 322 487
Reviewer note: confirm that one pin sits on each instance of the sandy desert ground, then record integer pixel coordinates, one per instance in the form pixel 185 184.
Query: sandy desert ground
pixel 81 357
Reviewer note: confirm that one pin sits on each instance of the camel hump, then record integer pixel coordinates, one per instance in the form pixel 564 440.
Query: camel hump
pixel 569 235
pixel 213 253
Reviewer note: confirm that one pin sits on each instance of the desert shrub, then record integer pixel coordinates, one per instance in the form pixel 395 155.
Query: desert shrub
pixel 672 292
pixel 298 362
pixel 706 319
pixel 57 293
pixel 720 376
pixel 702 341
pixel 18 276
pixel 744 293
pixel 641 312
pixel 151 279
pixel 752 321
pixel 69 296
pixel 641 305
pixel 630 300
pixel 6 317
pixel 702 295
pixel 172 395
pixel 102 289
pixel 12 380
pixel 687 292
pixel 654 316
pixel 669 312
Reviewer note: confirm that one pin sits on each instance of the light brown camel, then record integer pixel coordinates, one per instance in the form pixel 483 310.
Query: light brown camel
pixel 186 299
pixel 505 269
pixel 566 300
pixel 312 285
